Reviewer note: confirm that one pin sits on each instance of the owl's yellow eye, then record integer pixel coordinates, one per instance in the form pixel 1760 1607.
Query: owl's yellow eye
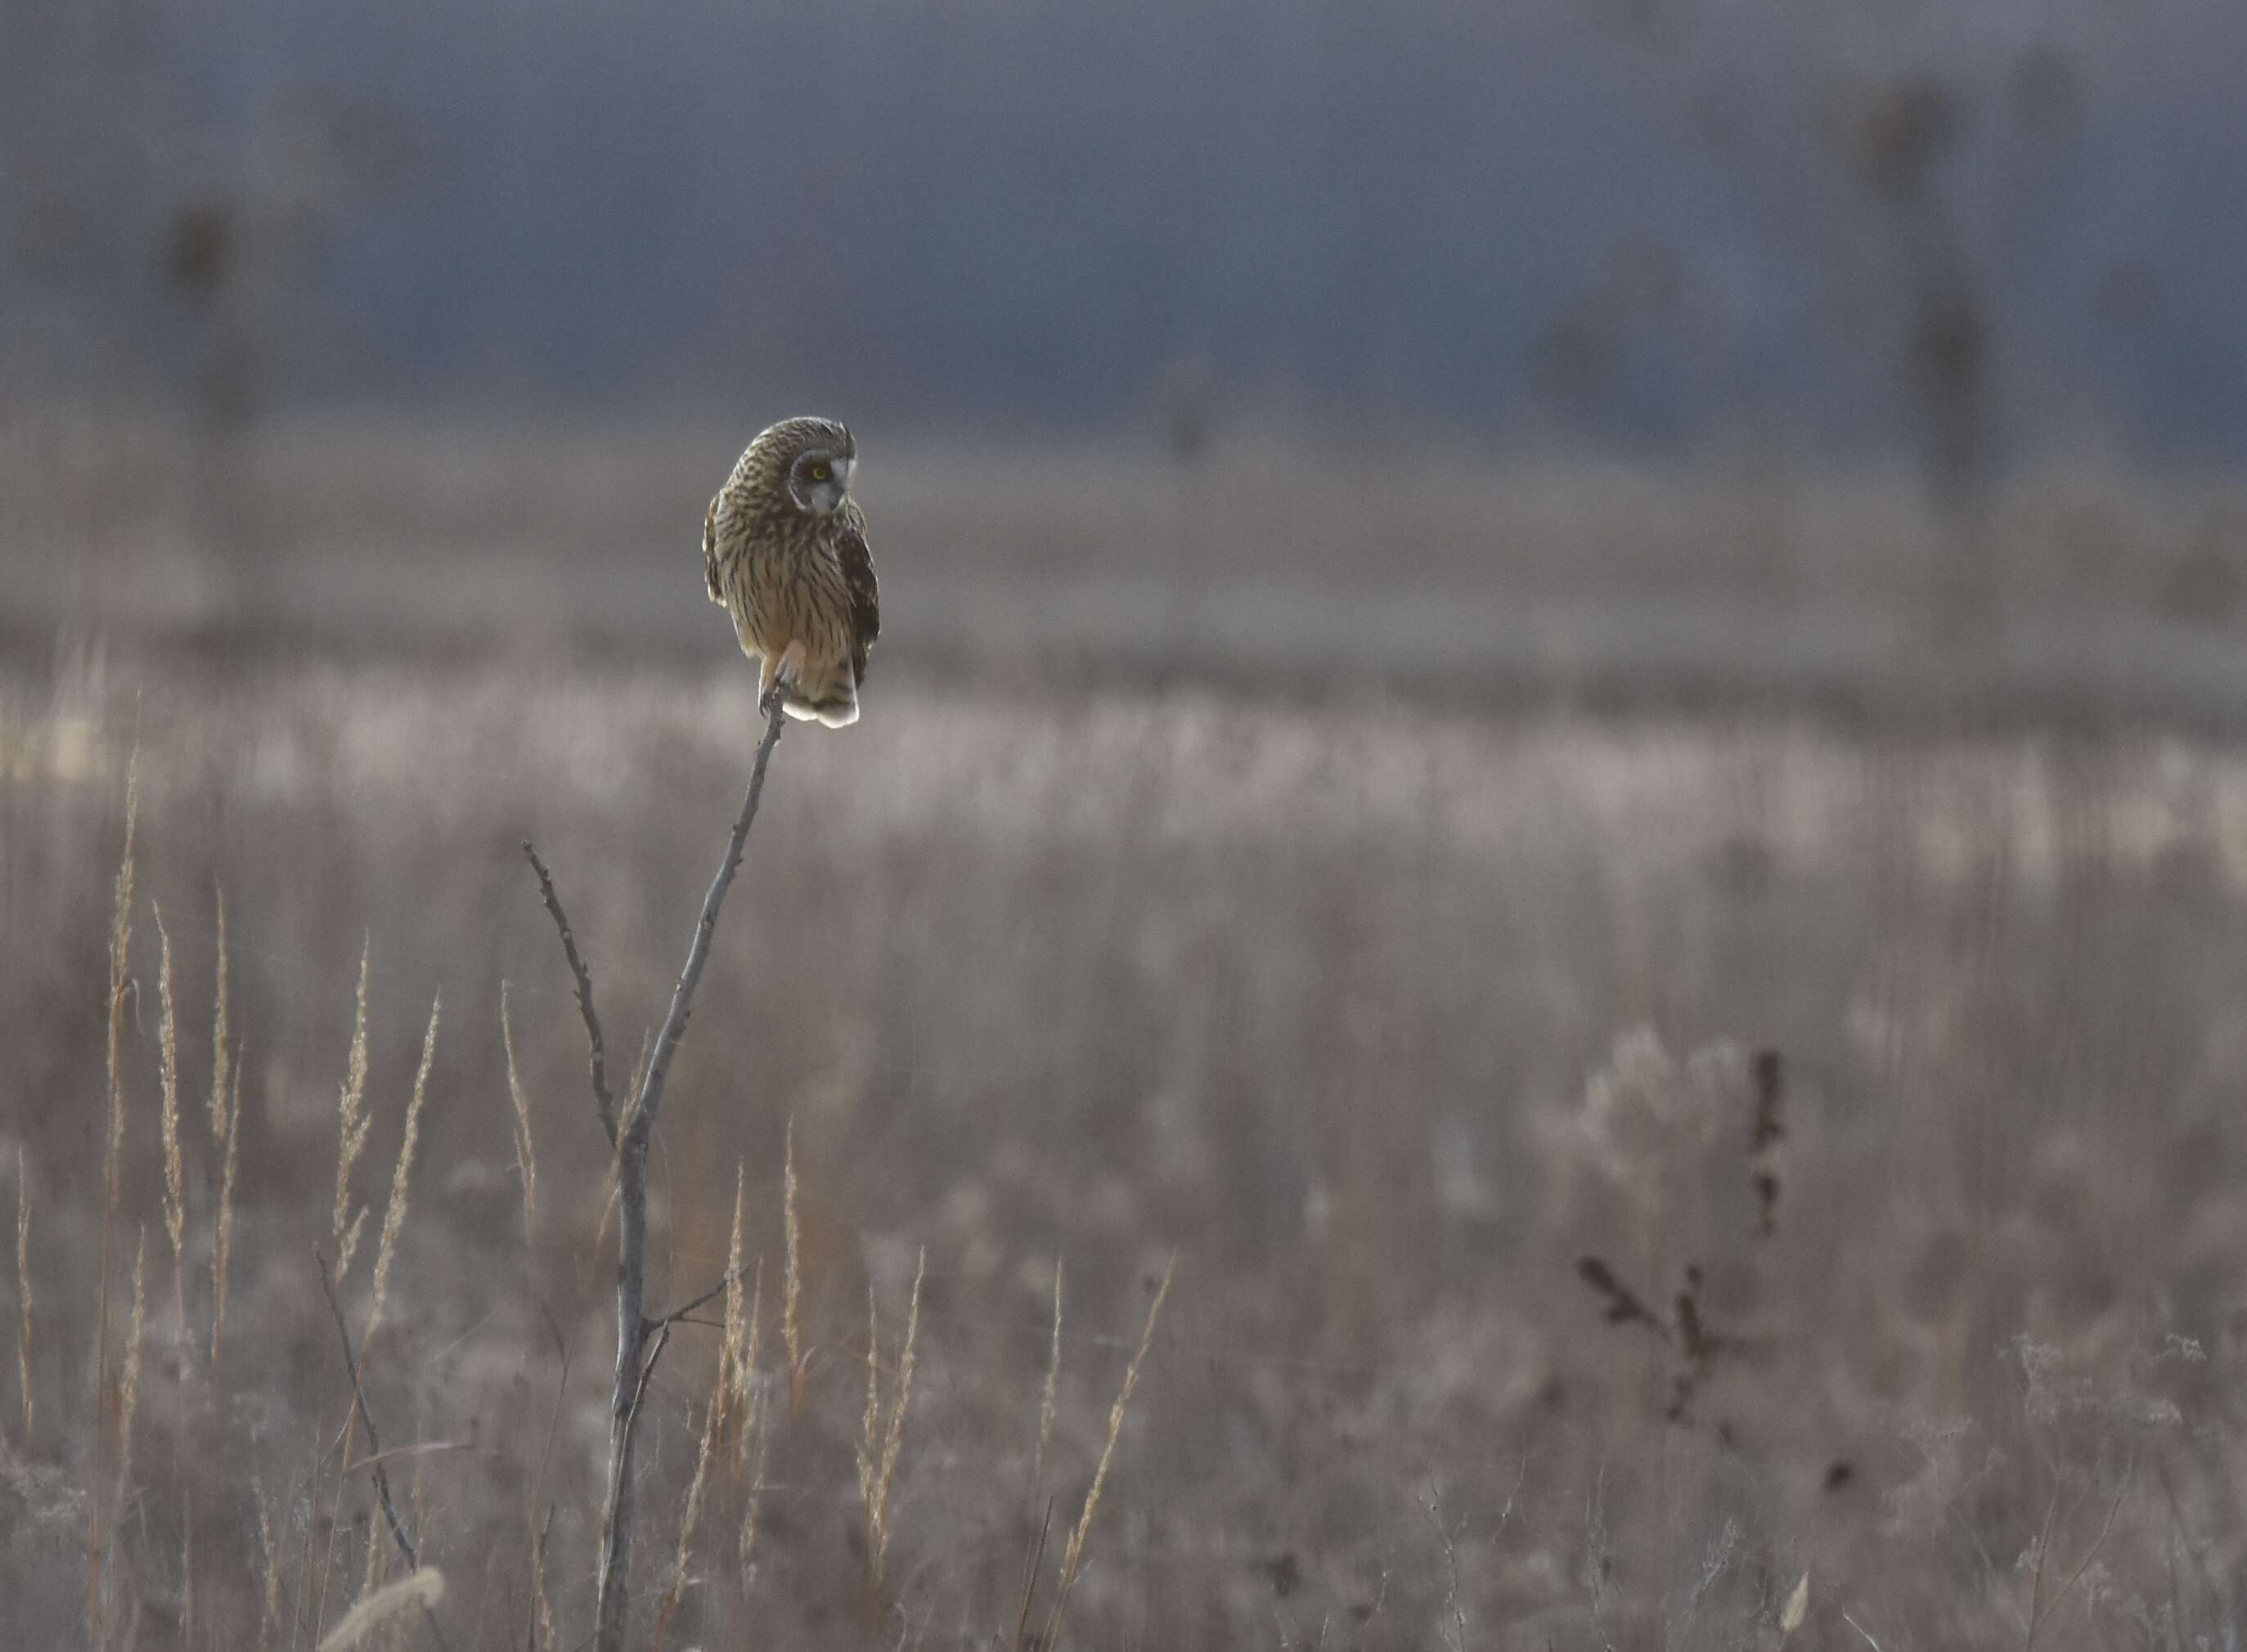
pixel 821 473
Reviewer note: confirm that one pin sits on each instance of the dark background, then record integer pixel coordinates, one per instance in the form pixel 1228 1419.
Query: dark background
pixel 1640 223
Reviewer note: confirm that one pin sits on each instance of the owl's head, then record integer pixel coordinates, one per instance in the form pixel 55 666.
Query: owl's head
pixel 811 460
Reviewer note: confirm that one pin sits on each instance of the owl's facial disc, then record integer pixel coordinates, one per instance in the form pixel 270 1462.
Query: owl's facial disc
pixel 819 480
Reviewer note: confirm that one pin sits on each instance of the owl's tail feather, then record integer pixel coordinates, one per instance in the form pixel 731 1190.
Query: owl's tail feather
pixel 833 704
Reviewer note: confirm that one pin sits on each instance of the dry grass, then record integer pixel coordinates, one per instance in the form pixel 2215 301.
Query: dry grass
pixel 1045 1405
pixel 1072 1559
pixel 225 1110
pixel 732 1380
pixel 791 1327
pixel 381 1608
pixel 1384 1021
pixel 882 1433
pixel 526 1155
pixel 401 1179
pixel 175 1180
pixel 352 1123
pixel 105 1441
pixel 26 1396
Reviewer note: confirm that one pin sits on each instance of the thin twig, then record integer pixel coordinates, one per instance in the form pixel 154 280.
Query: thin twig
pixel 1030 1580
pixel 604 1101
pixel 365 1417
pixel 679 1315
pixel 539 1606
pixel 1456 1632
pixel 2115 1508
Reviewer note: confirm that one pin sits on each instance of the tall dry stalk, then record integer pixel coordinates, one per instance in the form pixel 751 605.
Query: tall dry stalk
pixel 526 1159
pixel 712 1418
pixel 743 1341
pixel 268 1580
pixel 220 1090
pixel 791 1327
pixel 1072 1560
pixel 24 1287
pixel 175 1179
pixel 748 1402
pixel 352 1123
pixel 883 1437
pixel 120 938
pixel 384 1608
pixel 755 1426
pixel 1047 1403
pixel 222 1228
pixel 759 1424
pixel 733 1340
pixel 545 1633
pixel 393 1217
pixel 732 1347
pixel 128 1391
pixel 225 1108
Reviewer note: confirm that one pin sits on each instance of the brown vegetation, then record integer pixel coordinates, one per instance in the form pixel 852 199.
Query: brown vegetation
pixel 1382 1022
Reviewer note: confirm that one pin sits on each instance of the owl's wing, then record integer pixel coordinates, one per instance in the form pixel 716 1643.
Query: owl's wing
pixel 857 562
pixel 710 550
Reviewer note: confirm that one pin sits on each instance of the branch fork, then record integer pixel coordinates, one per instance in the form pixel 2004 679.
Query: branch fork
pixel 641 1340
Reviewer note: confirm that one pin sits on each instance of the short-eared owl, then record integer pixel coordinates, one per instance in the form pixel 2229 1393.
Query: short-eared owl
pixel 785 552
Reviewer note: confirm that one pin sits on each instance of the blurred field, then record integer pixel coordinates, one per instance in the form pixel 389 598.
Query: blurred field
pixel 2085 590
pixel 1381 1016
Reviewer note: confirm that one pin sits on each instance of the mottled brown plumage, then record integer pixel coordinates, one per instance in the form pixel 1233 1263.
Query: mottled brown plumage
pixel 784 552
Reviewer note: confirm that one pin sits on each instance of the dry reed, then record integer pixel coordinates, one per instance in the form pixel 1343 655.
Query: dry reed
pixel 175 1180
pixel 221 1088
pixel 376 1571
pixel 225 1108
pixel 23 1288
pixel 749 1404
pixel 791 1331
pixel 421 1591
pixel 883 1437
pixel 756 1423
pixel 393 1217
pixel 222 1228
pixel 187 1564
pixel 352 1123
pixel 269 1578
pixel 726 1385
pixel 526 1159
pixel 120 937
pixel 545 1634
pixel 128 1391
pixel 1047 1401
pixel 754 1496
pixel 1072 1560
pixel 691 1517
pixel 733 1344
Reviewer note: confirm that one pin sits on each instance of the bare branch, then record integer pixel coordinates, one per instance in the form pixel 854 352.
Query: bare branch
pixel 604 1101
pixel 366 1417
pixel 682 997
pixel 677 1315
pixel 632 1134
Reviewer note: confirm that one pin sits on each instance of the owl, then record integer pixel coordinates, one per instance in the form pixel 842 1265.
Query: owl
pixel 784 552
